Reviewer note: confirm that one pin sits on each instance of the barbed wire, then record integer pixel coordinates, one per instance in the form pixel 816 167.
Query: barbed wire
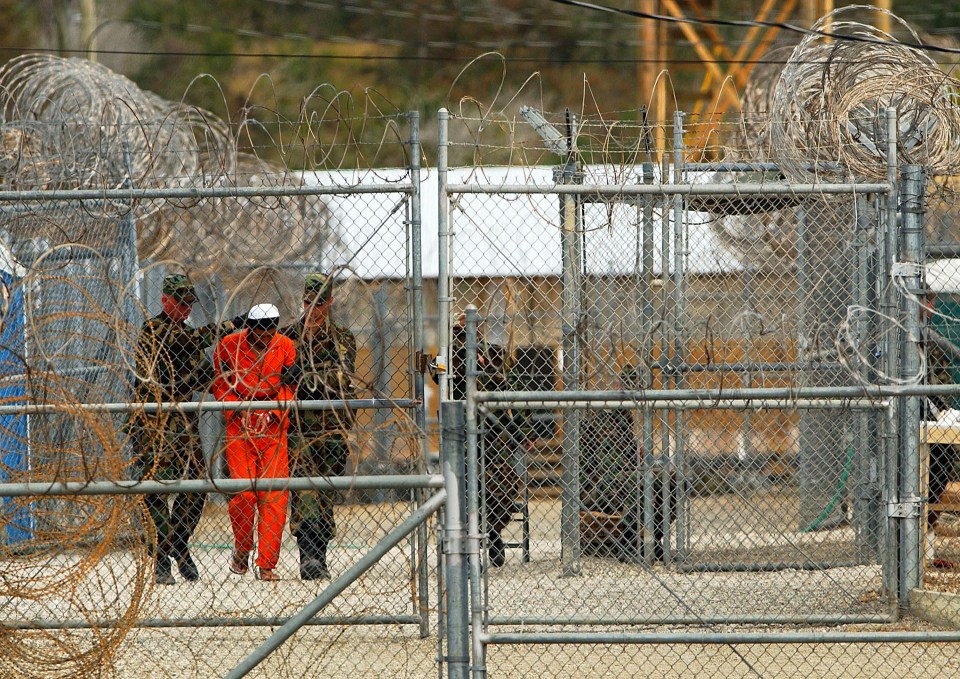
pixel 81 274
pixel 86 296
pixel 834 110
pixel 84 126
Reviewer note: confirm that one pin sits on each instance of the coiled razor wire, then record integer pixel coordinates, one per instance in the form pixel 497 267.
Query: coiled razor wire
pixel 72 123
pixel 824 114
pixel 751 139
pixel 231 236
pixel 831 99
pixel 61 572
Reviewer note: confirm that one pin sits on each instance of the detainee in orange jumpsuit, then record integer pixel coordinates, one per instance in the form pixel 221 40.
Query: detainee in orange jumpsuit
pixel 256 364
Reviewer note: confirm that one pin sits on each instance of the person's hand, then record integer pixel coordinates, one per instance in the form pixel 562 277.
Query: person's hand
pixel 291 374
pixel 258 422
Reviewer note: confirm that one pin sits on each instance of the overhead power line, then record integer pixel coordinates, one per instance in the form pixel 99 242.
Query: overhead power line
pixel 750 23
pixel 551 60
pixel 457 59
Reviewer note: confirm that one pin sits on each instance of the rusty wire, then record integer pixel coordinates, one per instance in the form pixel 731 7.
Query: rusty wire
pixel 72 124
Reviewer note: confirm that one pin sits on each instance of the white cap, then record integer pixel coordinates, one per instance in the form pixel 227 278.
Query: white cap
pixel 263 312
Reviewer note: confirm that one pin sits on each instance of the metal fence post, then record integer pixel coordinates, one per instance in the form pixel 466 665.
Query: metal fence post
pixel 473 494
pixel 866 526
pixel 443 248
pixel 911 206
pixel 570 425
pixel 890 351
pixel 453 468
pixel 679 349
pixel 419 350
pixel 645 312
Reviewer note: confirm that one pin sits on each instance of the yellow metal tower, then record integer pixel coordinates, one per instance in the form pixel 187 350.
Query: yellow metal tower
pixel 724 69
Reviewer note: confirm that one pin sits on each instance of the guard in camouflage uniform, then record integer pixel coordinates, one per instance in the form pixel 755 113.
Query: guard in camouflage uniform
pixel 502 441
pixel 611 478
pixel 171 366
pixel 943 456
pixel 326 352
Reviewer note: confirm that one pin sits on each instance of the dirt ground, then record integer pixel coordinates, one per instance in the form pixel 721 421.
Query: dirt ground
pixel 524 597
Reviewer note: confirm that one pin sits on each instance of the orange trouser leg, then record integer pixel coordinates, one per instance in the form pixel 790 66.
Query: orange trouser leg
pixel 242 463
pixel 258 457
pixel 272 504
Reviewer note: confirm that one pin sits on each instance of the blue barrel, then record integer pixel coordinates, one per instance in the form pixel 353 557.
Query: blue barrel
pixel 18 517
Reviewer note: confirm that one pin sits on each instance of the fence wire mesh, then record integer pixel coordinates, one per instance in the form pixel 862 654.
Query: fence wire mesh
pixel 711 513
pixel 137 293
pixel 742 501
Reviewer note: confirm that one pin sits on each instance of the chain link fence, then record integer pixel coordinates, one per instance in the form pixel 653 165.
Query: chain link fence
pixel 680 431
pixel 707 420
pixel 137 234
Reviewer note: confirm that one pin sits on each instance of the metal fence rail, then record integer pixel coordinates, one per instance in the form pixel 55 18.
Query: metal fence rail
pixel 691 417
pixel 694 397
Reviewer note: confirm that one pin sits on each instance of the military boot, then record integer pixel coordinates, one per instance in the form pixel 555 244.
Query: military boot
pixel 187 567
pixel 313 560
pixel 625 548
pixel 163 574
pixel 498 551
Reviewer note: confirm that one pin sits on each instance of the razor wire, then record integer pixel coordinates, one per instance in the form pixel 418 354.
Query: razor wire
pixel 601 261
pixel 762 286
pixel 831 95
pixel 245 209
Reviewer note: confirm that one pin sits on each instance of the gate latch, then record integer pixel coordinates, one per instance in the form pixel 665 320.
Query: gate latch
pixel 906 508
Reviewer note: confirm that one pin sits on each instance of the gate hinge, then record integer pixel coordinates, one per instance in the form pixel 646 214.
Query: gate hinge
pixel 907 270
pixel 455 542
pixel 906 508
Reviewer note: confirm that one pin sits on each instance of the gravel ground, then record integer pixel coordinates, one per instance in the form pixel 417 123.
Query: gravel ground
pixel 606 589
pixel 947 543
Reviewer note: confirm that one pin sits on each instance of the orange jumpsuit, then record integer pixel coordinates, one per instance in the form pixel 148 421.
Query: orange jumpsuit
pixel 256 439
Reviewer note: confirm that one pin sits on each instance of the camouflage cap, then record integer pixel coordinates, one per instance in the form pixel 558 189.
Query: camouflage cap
pixel 317 287
pixel 179 287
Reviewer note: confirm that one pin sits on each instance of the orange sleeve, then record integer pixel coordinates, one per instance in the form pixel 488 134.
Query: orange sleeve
pixel 286 391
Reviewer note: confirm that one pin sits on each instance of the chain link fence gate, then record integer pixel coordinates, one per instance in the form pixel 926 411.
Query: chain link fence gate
pixel 106 193
pixel 719 465
pixel 714 480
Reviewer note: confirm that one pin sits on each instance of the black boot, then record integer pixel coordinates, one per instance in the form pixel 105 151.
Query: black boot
pixel 498 551
pixel 626 546
pixel 313 560
pixel 164 574
pixel 658 542
pixel 186 566
pixel 183 524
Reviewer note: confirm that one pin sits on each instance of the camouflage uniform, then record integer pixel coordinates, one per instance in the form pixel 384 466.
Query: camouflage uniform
pixel 502 438
pixel 458 364
pixel 611 480
pixel 171 366
pixel 942 462
pixel 503 434
pixel 327 359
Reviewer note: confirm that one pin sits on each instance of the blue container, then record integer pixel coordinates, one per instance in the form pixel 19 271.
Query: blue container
pixel 18 517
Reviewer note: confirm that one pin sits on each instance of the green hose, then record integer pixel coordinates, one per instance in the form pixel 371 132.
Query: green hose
pixel 836 496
